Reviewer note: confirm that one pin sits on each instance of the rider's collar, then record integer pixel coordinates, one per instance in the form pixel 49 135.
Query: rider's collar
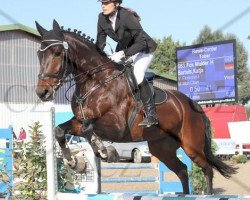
pixel 113 19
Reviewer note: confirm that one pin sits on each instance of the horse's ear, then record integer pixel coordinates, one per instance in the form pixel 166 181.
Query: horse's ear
pixel 56 26
pixel 40 29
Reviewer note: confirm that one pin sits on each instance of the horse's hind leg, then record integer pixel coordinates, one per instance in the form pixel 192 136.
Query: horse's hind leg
pixel 198 157
pixel 208 171
pixel 165 151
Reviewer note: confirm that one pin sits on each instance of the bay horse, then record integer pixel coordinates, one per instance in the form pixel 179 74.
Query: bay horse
pixel 102 104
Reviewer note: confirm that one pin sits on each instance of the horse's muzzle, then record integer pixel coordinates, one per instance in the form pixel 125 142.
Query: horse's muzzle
pixel 44 94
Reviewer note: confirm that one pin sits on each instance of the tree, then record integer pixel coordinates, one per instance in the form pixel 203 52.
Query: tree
pixel 248 112
pixel 243 75
pixel 30 166
pixel 165 56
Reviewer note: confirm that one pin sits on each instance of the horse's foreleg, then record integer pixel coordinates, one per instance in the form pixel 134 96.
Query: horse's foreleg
pixel 76 163
pixel 96 143
pixel 60 137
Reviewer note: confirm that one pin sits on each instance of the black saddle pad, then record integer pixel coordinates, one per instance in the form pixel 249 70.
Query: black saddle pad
pixel 160 96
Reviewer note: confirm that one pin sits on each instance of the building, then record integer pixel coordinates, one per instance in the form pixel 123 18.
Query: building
pixel 19 67
pixel 167 83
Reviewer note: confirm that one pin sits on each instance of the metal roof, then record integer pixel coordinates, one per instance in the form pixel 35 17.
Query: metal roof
pixel 21 27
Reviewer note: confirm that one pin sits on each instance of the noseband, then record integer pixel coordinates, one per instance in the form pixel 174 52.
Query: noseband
pixel 62 73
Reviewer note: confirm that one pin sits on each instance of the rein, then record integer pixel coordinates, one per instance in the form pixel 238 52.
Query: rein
pixel 108 79
pixel 64 68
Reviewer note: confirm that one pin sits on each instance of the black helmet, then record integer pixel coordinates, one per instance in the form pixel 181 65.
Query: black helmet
pixel 106 1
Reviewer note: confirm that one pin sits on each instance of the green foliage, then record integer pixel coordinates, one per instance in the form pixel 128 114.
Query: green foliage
pixel 30 166
pixel 243 75
pixel 4 178
pixel 3 174
pixel 198 179
pixel 165 56
pixel 65 176
pixel 248 112
pixel 239 158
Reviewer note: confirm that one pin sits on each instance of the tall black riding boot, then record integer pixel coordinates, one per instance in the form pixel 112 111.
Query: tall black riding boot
pixel 148 104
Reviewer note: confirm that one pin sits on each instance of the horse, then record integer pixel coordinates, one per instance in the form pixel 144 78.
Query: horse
pixel 102 105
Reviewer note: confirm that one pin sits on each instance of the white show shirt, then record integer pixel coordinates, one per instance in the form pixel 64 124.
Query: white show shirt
pixel 113 20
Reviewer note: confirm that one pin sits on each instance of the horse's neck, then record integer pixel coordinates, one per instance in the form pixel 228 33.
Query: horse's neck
pixel 87 58
pixel 84 57
pixel 106 80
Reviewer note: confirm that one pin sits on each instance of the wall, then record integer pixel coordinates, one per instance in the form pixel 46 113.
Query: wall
pixel 221 115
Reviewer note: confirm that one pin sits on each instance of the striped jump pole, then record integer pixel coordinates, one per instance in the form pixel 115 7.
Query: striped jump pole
pixel 121 196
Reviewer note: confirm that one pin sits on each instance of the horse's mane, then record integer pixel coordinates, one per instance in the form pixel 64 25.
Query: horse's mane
pixel 85 38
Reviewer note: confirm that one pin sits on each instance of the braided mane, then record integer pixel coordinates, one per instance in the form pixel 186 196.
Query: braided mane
pixel 78 33
pixel 84 37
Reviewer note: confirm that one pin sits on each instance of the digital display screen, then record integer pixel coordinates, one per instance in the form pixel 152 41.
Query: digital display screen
pixel 207 72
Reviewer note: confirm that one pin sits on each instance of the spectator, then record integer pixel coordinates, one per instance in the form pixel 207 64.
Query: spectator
pixel 22 134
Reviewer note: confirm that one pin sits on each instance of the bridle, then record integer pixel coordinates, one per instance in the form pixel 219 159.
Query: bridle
pixel 62 73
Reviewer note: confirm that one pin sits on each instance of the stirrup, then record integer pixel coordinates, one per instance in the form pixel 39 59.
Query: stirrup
pixel 148 123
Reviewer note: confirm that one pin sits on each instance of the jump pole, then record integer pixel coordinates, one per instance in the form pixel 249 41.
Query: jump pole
pixel 51 160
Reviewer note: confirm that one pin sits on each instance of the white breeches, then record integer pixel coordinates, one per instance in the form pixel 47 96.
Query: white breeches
pixel 141 63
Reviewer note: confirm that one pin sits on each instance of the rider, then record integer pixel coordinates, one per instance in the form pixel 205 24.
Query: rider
pixel 123 26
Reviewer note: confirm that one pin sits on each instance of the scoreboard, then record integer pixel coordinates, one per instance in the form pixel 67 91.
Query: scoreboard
pixel 207 72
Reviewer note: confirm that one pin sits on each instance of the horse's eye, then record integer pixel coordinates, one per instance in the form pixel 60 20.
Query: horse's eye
pixel 58 53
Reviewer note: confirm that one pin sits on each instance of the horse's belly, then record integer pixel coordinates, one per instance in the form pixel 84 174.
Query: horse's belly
pixel 113 133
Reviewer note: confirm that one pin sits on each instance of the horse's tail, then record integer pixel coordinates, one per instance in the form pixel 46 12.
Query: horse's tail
pixel 223 168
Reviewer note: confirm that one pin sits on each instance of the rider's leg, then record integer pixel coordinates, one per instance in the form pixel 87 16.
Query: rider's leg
pixel 141 63
pixel 148 104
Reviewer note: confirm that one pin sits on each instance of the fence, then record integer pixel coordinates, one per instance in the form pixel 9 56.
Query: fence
pixel 166 180
pixel 161 179
pixel 6 161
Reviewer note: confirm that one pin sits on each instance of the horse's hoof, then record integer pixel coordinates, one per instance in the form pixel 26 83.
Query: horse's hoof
pixel 80 165
pixel 72 163
pixel 77 163
pixel 113 156
pixel 103 154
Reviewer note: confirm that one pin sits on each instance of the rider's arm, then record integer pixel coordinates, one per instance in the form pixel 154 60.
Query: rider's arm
pixel 139 44
pixel 101 35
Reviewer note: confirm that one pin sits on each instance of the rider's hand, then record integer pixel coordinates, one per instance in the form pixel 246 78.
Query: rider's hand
pixel 117 56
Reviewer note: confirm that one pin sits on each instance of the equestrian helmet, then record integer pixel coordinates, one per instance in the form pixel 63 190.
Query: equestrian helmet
pixel 106 1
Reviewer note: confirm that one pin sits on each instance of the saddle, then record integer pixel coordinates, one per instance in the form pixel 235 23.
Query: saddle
pixel 160 96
